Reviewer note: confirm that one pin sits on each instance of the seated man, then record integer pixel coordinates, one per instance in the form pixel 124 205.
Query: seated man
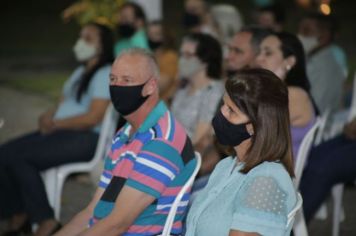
pixel 149 161
pixel 326 76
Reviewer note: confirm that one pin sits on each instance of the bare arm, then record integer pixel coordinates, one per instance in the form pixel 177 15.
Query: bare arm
pixel 80 221
pixel 239 233
pixel 45 121
pixel 88 120
pixel 300 107
pixel 128 206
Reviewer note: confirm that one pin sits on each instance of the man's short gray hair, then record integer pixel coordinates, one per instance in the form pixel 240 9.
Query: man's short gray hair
pixel 151 60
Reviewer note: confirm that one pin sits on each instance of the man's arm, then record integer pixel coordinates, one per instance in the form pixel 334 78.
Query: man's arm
pixel 87 120
pixel 128 206
pixel 80 222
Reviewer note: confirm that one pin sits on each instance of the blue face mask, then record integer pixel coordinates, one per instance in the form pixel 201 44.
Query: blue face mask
pixel 227 133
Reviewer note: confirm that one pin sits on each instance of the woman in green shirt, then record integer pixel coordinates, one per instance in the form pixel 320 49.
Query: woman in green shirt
pixel 250 192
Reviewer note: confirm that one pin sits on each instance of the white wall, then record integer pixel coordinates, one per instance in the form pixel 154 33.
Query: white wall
pixel 152 8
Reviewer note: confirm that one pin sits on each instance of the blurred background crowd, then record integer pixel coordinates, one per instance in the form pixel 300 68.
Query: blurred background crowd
pixel 198 45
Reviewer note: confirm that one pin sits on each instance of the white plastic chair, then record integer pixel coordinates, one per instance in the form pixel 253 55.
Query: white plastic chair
pixel 304 149
pixel 337 190
pixel 299 227
pixel 172 212
pixel 54 178
pixel 293 213
pixel 344 116
pixel 324 118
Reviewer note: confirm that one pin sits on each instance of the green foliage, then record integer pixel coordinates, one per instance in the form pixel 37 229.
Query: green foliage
pixel 100 11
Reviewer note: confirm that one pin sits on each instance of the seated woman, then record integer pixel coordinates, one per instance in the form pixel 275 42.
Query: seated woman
pixel 283 54
pixel 194 105
pixel 330 163
pixel 161 43
pixel 250 192
pixel 67 133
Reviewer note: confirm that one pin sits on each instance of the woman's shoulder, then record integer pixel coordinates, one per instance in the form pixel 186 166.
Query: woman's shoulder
pixel 275 171
pixel 297 92
pixel 226 162
pixel 270 168
pixel 104 69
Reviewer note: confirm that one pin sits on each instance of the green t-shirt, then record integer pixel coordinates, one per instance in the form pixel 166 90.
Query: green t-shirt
pixel 139 40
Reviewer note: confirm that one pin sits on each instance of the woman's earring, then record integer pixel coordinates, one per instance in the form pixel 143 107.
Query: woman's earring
pixel 288 67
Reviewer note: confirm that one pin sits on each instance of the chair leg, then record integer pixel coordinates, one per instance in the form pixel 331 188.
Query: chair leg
pixel 58 196
pixel 50 181
pixel 322 213
pixel 337 193
pixel 299 226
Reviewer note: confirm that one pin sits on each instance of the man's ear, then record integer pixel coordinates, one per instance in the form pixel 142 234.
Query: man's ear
pixel 150 87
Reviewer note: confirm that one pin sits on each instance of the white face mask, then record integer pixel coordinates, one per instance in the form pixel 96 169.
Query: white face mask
pixel 83 51
pixel 189 67
pixel 309 43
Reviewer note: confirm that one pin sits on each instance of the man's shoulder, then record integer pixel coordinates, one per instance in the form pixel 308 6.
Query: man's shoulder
pixel 171 137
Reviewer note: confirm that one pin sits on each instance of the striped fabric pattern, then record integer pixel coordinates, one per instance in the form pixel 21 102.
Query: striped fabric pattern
pixel 157 160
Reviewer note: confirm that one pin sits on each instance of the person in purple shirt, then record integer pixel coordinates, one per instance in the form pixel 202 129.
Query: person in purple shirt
pixel 282 53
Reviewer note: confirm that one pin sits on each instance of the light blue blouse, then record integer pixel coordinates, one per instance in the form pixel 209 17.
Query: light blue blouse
pixel 258 201
pixel 98 88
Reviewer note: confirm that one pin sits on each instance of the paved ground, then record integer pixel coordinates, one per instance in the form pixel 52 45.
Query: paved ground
pixel 20 111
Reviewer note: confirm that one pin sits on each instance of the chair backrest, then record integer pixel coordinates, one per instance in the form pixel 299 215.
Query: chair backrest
pixel 172 212
pixel 294 211
pixel 303 151
pixel 322 127
pixel 352 113
pixel 107 131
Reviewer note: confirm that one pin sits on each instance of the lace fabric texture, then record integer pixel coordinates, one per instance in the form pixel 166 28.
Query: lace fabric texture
pixel 264 194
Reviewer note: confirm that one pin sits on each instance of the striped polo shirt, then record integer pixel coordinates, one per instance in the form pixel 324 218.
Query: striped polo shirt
pixel 158 159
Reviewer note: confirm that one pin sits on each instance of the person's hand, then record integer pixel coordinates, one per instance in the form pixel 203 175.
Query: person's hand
pixel 46 124
pixel 350 130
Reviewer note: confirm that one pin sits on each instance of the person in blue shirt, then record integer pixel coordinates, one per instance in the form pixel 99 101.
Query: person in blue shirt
pixel 131 28
pixel 250 192
pixel 67 133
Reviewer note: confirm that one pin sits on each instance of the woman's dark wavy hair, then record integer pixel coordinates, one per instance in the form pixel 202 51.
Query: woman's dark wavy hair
pixel 208 51
pixel 291 46
pixel 105 57
pixel 297 75
pixel 263 98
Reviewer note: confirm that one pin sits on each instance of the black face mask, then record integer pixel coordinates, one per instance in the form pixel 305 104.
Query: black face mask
pixel 126 30
pixel 127 99
pixel 190 20
pixel 154 44
pixel 227 133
